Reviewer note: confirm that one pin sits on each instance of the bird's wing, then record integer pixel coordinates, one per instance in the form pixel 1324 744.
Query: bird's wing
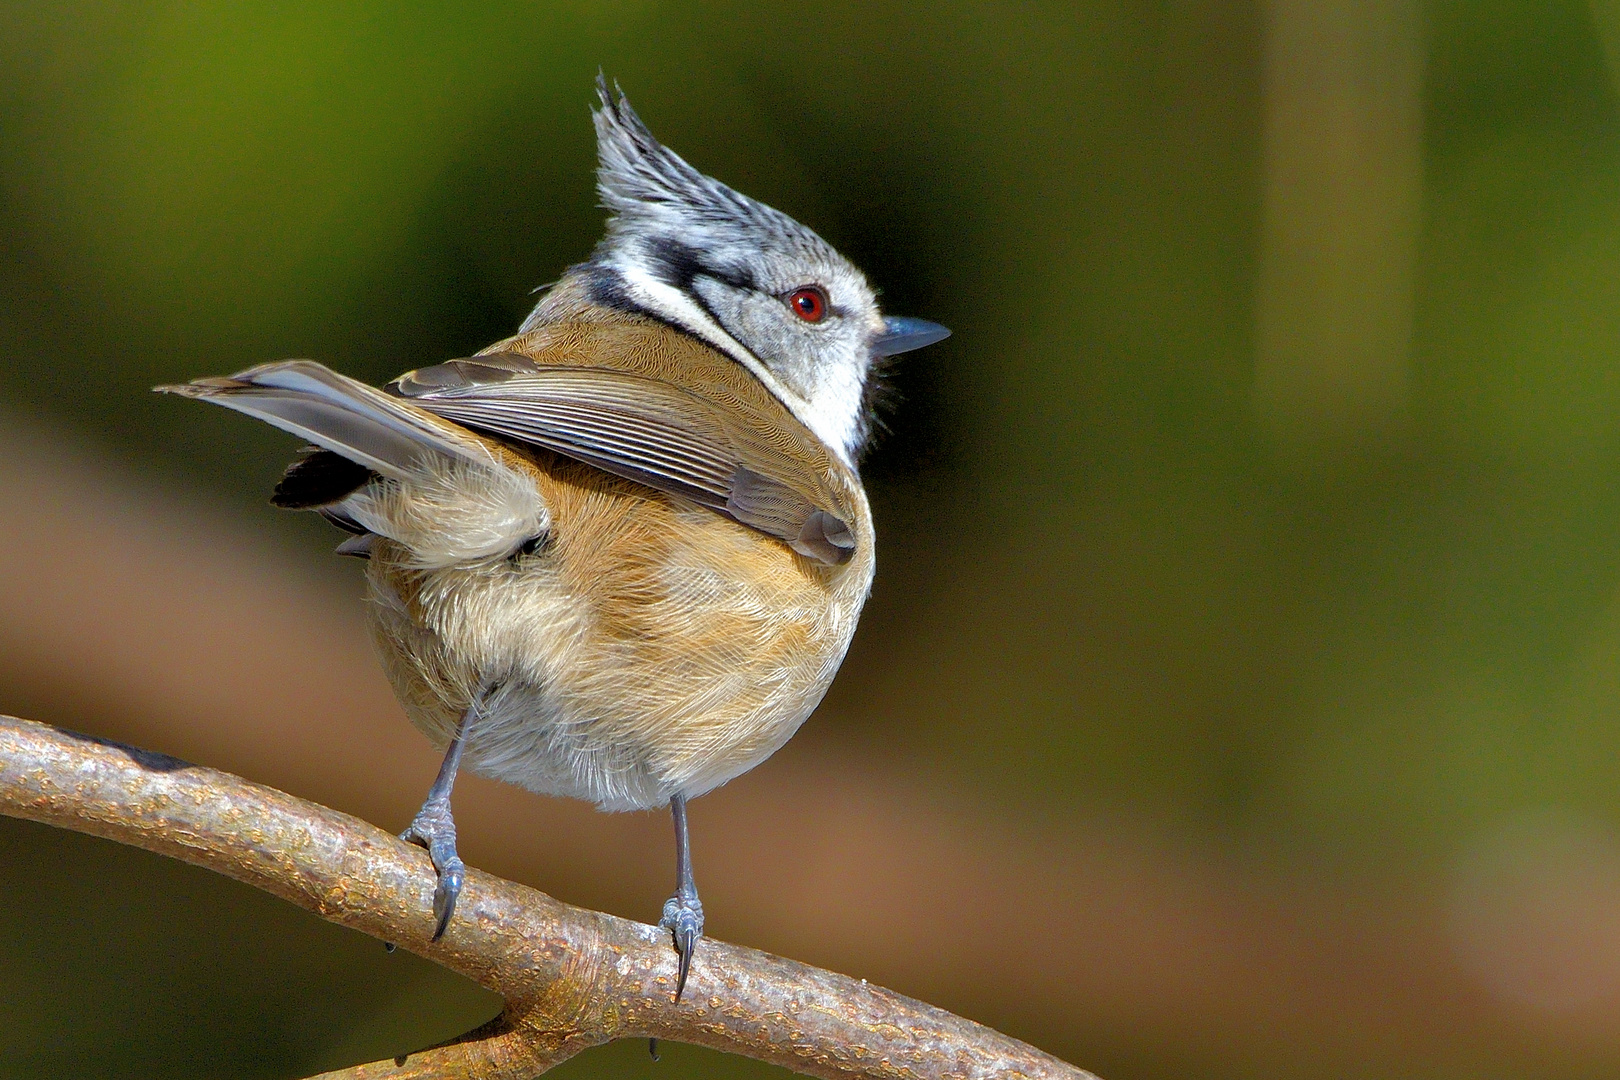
pixel 649 431
pixel 339 414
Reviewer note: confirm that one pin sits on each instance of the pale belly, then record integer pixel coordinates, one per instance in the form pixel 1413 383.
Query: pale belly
pixel 642 654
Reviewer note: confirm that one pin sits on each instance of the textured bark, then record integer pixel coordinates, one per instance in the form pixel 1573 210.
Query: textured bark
pixel 571 978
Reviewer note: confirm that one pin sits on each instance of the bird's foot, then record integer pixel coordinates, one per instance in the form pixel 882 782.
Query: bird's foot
pixel 683 917
pixel 435 830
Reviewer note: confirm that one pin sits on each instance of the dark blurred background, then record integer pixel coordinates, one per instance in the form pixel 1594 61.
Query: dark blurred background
pixel 1240 693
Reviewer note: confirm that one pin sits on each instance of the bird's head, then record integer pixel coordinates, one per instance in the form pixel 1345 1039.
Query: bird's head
pixel 745 278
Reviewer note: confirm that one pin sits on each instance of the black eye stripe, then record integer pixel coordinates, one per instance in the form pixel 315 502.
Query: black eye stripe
pixel 678 264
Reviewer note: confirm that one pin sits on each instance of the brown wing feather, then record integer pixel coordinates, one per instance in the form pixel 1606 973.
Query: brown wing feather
pixel 651 406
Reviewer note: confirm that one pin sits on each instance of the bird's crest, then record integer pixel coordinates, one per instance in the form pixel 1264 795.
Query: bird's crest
pixel 652 191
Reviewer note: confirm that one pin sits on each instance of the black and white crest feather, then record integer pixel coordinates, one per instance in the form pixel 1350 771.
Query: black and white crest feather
pixel 651 190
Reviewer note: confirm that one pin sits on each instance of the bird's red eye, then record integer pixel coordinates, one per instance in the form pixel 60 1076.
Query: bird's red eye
pixel 809 304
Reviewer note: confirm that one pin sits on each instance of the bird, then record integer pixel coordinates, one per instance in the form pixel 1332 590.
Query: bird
pixel 619 555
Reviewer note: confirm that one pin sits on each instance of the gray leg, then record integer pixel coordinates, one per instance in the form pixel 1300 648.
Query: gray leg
pixel 435 830
pixel 683 913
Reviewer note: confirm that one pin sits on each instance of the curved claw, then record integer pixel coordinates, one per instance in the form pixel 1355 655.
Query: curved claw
pixel 445 895
pixel 686 944
pixel 683 918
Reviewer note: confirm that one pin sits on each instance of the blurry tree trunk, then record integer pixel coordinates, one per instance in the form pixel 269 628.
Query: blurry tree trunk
pixel 1343 195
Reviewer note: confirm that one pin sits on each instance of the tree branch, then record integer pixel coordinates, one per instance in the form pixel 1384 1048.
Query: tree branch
pixel 571 978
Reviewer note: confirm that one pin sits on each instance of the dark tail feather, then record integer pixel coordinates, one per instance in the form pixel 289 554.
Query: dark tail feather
pixel 319 478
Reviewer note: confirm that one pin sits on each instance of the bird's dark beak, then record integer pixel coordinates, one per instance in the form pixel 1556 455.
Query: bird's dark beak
pixel 903 335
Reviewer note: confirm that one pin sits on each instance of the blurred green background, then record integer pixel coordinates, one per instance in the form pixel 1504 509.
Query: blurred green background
pixel 1267 497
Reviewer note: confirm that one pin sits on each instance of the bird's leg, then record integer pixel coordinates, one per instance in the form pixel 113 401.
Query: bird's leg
pixel 683 912
pixel 435 830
